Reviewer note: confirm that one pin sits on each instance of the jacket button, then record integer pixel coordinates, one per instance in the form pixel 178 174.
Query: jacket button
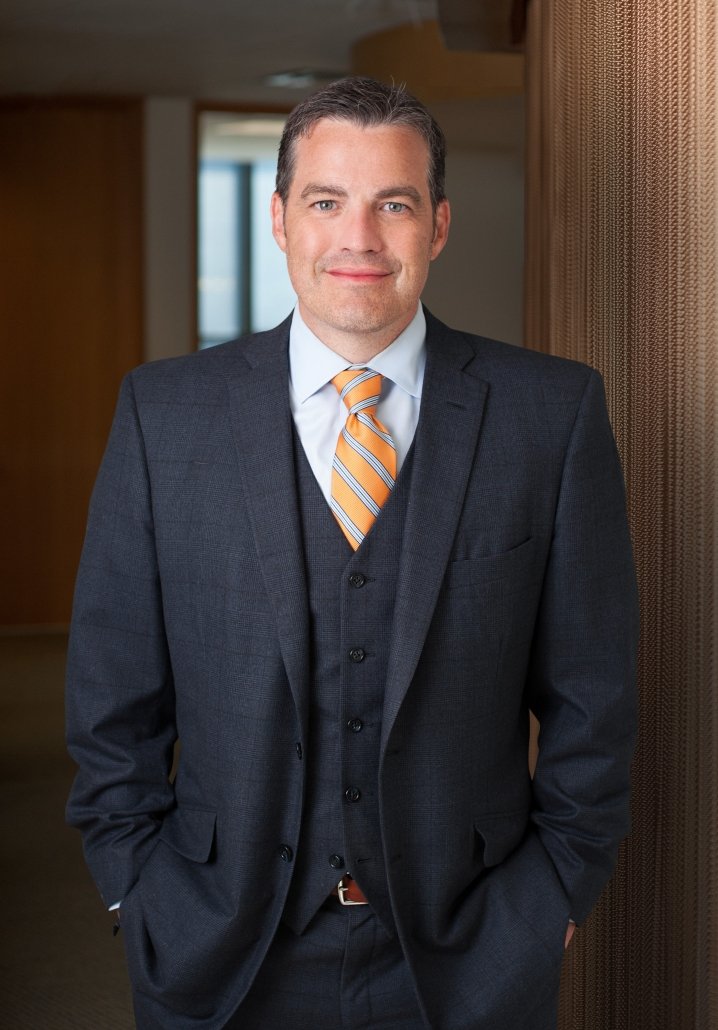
pixel 299 749
pixel 357 580
pixel 355 725
pixel 357 654
pixel 285 853
pixel 336 861
pixel 352 794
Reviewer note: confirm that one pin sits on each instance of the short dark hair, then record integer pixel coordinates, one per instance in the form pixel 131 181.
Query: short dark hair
pixel 366 103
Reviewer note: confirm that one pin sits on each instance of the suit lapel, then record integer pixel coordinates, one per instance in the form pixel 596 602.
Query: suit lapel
pixel 262 428
pixel 452 406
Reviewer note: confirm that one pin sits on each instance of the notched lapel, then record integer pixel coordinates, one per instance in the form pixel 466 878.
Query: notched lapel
pixel 452 407
pixel 262 429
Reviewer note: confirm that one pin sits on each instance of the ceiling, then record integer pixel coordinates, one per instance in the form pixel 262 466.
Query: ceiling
pixel 207 49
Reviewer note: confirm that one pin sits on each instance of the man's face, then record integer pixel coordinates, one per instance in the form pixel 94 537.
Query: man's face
pixel 359 231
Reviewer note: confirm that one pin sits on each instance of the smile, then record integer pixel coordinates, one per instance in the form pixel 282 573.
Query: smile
pixel 358 275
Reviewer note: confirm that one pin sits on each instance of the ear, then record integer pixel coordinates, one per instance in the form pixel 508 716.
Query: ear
pixel 277 213
pixel 442 220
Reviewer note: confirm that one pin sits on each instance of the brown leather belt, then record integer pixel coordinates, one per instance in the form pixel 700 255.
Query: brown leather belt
pixel 349 892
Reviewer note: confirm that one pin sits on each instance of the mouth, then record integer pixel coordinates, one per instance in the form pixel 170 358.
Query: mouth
pixel 358 275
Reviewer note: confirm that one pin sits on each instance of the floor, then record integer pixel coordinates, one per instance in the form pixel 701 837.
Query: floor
pixel 60 966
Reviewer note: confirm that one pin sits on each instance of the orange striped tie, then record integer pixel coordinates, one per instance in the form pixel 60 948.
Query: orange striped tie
pixel 364 467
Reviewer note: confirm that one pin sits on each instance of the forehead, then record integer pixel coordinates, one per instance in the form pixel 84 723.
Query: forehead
pixel 362 154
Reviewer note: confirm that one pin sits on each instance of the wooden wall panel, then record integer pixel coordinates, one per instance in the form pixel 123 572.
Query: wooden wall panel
pixel 71 322
pixel 622 272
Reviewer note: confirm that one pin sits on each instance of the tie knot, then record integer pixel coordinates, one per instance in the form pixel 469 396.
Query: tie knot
pixel 359 388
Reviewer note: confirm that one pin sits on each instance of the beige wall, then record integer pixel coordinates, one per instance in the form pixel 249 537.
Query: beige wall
pixel 476 284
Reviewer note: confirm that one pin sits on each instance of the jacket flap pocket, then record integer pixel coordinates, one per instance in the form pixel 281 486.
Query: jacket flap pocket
pixel 513 566
pixel 189 832
pixel 500 834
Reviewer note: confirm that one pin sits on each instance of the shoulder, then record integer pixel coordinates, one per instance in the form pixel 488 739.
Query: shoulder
pixel 209 369
pixel 510 366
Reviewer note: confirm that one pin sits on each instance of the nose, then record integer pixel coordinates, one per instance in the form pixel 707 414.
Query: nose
pixel 360 230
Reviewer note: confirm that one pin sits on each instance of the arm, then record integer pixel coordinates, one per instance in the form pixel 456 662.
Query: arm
pixel 120 697
pixel 582 675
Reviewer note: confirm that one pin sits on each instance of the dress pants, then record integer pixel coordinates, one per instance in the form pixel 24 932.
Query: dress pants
pixel 343 973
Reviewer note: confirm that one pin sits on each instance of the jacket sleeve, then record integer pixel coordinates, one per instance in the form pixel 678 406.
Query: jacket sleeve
pixel 581 683
pixel 120 697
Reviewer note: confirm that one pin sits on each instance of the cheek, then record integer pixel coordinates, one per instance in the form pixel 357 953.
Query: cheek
pixel 416 262
pixel 306 247
pixel 417 247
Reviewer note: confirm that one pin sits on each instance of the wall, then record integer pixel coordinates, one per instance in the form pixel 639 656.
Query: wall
pixel 169 177
pixel 622 256
pixel 71 312
pixel 476 283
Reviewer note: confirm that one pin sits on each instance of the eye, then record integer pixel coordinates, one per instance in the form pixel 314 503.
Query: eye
pixel 395 207
pixel 325 205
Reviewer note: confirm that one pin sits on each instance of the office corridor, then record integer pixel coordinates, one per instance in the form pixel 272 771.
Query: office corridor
pixel 59 964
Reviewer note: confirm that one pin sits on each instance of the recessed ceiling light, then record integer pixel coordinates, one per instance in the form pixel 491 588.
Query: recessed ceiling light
pixel 301 78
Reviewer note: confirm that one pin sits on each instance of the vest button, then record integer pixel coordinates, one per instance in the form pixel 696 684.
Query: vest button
pixel 357 654
pixel 355 725
pixel 357 580
pixel 285 853
pixel 336 861
pixel 352 794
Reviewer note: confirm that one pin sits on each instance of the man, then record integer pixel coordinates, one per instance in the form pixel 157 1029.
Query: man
pixel 341 561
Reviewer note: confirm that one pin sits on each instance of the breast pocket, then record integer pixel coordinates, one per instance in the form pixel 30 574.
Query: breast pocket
pixel 511 569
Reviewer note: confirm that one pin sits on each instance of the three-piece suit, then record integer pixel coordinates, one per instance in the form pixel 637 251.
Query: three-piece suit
pixel 369 705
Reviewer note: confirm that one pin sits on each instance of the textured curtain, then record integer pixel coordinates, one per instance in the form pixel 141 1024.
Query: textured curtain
pixel 622 241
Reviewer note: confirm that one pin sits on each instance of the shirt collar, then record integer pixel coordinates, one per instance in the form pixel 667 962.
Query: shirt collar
pixel 312 364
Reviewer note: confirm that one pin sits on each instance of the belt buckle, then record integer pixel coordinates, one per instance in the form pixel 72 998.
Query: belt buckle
pixel 342 889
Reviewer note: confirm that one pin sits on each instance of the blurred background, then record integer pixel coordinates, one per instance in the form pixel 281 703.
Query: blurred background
pixel 137 155
pixel 139 144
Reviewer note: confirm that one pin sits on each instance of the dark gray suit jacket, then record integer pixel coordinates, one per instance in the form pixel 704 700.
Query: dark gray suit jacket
pixel 516 592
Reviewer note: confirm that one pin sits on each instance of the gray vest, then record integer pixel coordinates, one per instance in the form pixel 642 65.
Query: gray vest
pixel 351 603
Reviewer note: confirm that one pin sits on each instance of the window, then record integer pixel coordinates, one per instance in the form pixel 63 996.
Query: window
pixel 243 283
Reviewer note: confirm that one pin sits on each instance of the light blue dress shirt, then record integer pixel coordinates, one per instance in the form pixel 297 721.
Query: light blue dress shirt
pixel 318 411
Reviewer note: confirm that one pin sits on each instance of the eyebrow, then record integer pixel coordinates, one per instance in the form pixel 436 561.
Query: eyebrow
pixel 402 190
pixel 317 187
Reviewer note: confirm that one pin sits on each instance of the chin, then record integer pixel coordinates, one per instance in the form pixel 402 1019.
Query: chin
pixel 366 320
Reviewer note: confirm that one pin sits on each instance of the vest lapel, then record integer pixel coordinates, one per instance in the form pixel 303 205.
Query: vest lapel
pixel 452 406
pixel 262 428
